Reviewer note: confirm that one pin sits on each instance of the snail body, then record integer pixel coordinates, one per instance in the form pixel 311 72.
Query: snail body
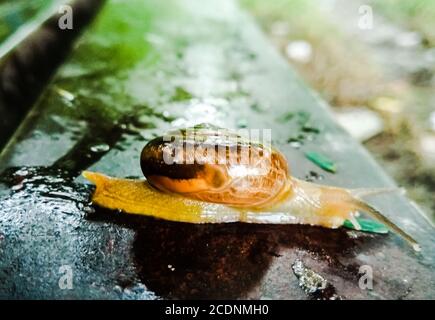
pixel 216 176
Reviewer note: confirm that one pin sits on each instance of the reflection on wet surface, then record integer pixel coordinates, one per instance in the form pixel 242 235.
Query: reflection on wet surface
pixel 181 260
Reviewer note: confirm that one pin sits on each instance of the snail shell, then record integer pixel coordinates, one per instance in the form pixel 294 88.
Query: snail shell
pixel 215 165
pixel 234 179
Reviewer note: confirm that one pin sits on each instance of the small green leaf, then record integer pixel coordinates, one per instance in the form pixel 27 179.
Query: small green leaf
pixel 367 226
pixel 322 161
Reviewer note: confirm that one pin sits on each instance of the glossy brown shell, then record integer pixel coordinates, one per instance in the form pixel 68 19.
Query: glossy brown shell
pixel 216 166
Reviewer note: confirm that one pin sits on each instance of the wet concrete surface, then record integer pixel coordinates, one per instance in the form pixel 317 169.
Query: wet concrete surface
pixel 128 81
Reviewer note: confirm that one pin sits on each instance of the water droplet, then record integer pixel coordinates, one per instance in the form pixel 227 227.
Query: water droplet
pixel 313 176
pixel 299 51
pixel 117 289
pixel 294 143
pixel 432 120
pixel 242 123
pixel 22 172
pixel 101 147
pixel 68 96
pixel 280 28
pixel 17 187
pixel 408 39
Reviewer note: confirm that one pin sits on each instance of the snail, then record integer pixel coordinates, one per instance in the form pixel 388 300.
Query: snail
pixel 216 176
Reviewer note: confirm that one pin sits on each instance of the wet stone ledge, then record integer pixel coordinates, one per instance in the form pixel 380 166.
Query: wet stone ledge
pixel 144 67
pixel 32 50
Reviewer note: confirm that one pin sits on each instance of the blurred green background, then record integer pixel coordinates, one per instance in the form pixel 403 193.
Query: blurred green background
pixel 16 13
